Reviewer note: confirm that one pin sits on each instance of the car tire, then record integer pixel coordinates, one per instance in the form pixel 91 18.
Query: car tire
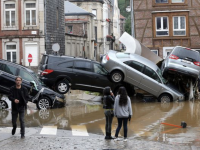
pixel 3 104
pixel 45 115
pixel 43 103
pixel 117 76
pixel 62 87
pixel 165 98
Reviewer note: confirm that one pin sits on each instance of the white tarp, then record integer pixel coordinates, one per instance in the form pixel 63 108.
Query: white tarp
pixel 135 47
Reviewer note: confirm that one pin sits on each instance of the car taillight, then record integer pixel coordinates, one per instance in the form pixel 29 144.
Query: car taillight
pixel 188 48
pixel 197 63
pixel 107 57
pixel 173 57
pixel 46 71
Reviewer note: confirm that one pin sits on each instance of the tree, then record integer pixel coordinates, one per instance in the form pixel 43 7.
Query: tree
pixel 122 6
pixel 128 25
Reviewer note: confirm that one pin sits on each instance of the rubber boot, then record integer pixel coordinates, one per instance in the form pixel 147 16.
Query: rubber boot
pixel 110 137
pixel 107 136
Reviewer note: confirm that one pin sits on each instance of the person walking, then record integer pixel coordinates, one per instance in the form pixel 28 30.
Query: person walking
pixel 19 98
pixel 108 102
pixel 123 111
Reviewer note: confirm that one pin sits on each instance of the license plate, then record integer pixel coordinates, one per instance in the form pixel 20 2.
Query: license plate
pixel 185 61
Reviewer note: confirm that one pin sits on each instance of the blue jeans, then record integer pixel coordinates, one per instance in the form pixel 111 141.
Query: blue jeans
pixel 120 120
pixel 109 118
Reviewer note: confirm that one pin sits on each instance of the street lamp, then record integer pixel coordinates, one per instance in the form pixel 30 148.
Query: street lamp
pixel 131 10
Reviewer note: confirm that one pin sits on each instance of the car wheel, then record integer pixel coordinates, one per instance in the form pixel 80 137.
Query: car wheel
pixel 117 76
pixel 45 115
pixel 3 105
pixel 165 98
pixel 43 103
pixel 62 87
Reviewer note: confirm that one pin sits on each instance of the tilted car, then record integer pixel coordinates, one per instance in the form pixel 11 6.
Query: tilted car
pixel 182 66
pixel 140 72
pixel 63 72
pixel 39 94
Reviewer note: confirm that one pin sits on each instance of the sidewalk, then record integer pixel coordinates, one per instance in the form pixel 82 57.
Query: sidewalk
pixel 64 141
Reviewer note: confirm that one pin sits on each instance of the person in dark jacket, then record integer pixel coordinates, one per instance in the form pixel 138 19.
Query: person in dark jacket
pixel 19 98
pixel 108 102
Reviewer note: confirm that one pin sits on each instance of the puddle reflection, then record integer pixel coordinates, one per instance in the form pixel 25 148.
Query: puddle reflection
pixel 145 122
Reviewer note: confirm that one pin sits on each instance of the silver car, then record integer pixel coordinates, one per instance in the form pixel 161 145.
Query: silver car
pixel 141 73
pixel 182 61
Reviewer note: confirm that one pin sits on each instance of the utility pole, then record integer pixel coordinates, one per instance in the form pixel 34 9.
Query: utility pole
pixel 132 19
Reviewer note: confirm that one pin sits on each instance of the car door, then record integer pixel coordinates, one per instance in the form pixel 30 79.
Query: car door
pixel 7 77
pixel 101 77
pixel 83 75
pixel 150 82
pixel 134 71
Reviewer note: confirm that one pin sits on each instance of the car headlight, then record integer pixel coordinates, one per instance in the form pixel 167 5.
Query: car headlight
pixel 59 99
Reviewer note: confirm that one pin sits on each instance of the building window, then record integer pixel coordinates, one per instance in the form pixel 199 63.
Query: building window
pixel 94 11
pixel 179 28
pixel 155 51
pixel 161 1
pixel 171 24
pixel 30 13
pixel 169 2
pixel 10 15
pixel 178 1
pixel 11 52
pixel 70 29
pixel 162 26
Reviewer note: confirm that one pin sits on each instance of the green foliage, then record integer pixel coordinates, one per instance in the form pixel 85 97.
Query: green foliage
pixel 122 6
pixel 128 25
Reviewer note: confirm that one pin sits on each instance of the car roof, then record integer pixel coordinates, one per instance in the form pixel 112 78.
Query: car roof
pixel 17 65
pixel 71 57
pixel 137 58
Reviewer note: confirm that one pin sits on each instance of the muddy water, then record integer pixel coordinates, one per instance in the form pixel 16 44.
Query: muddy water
pixel 145 123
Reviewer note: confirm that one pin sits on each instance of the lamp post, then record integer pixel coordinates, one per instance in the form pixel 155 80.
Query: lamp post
pixel 131 10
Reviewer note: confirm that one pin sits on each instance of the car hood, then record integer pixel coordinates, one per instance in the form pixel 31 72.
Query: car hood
pixel 51 92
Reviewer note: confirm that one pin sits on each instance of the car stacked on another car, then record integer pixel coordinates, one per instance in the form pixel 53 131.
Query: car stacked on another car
pixel 181 67
pixel 64 72
pixel 141 73
pixel 39 94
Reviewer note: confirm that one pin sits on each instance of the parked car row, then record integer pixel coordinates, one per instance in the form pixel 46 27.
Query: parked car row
pixel 60 73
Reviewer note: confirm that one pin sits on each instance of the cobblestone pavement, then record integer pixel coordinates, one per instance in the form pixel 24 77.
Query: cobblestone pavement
pixel 35 141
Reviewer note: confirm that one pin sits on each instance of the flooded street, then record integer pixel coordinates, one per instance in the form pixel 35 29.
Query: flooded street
pixel 145 123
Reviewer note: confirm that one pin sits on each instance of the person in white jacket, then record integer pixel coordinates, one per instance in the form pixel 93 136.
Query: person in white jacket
pixel 123 111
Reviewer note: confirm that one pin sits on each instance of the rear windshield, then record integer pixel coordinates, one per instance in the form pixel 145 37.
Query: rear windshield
pixel 123 55
pixel 185 53
pixel 43 59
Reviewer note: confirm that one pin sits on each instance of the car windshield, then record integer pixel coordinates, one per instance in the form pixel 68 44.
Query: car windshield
pixel 38 79
pixel 160 75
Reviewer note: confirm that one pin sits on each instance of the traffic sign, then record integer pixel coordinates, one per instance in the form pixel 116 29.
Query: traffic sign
pixel 30 58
